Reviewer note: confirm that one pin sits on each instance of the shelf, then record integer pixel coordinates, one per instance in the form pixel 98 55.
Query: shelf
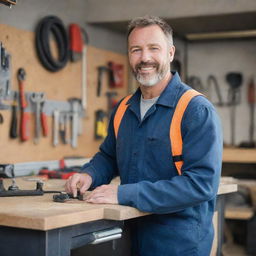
pixel 239 155
pixel 239 213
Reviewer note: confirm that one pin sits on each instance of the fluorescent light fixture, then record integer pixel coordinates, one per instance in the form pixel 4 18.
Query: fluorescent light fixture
pixel 222 35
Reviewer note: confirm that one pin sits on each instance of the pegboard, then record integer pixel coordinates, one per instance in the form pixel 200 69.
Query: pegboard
pixel 58 86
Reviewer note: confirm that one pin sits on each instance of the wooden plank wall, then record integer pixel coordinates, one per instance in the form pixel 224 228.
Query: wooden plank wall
pixel 57 86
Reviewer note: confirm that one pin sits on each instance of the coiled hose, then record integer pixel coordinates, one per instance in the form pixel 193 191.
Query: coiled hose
pixel 48 25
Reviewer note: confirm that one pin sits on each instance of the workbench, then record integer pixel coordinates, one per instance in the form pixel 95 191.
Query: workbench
pixel 37 226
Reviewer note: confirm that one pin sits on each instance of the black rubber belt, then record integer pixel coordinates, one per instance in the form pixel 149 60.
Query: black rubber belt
pixel 48 25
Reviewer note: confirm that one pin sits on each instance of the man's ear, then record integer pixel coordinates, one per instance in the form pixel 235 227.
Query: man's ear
pixel 172 52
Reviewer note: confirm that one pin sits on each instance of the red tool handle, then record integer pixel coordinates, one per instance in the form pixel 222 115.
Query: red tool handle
pixel 23 102
pixel 251 92
pixel 24 128
pixel 44 124
pixel 61 175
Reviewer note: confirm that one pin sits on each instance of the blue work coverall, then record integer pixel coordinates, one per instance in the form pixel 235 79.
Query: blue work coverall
pixel 182 206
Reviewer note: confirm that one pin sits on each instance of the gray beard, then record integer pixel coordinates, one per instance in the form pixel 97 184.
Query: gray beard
pixel 149 81
pixel 152 80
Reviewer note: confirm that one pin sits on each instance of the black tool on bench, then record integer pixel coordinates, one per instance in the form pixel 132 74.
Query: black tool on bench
pixel 7 170
pixel 63 197
pixel 14 190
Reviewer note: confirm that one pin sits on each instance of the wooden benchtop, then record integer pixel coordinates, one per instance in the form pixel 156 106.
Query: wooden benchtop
pixel 41 213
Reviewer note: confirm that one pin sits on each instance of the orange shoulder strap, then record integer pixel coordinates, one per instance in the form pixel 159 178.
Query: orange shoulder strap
pixel 119 113
pixel 175 128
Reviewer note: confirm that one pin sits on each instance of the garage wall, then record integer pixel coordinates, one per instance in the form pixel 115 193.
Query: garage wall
pixel 26 14
pixel 218 58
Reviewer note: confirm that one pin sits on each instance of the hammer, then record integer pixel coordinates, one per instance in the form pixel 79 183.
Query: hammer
pixel 111 101
pixel 101 69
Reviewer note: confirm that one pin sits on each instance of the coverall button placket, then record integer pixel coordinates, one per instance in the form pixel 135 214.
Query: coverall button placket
pixel 135 151
pixel 138 149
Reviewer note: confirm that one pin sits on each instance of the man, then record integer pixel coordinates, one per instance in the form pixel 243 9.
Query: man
pixel 182 206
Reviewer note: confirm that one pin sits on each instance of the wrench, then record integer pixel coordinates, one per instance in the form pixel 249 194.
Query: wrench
pixel 37 99
pixel 56 116
pixel 75 106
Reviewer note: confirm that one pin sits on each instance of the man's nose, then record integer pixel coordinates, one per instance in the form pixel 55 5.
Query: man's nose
pixel 145 56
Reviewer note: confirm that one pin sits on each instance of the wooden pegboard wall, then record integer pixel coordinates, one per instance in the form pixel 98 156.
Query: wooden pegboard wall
pixel 57 86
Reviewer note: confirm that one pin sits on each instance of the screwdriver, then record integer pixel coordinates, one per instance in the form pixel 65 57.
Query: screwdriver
pixel 24 119
pixel 14 119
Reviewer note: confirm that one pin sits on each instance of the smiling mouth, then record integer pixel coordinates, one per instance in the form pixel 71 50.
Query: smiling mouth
pixel 145 68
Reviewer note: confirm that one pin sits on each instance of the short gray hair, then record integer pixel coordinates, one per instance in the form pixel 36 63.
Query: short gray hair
pixel 149 20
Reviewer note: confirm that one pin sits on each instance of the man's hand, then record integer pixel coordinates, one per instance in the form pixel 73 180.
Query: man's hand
pixel 105 194
pixel 79 180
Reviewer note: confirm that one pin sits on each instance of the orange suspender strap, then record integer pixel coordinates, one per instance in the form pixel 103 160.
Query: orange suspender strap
pixel 120 113
pixel 175 128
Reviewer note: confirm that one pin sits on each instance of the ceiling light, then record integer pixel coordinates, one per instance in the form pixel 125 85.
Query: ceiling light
pixel 221 35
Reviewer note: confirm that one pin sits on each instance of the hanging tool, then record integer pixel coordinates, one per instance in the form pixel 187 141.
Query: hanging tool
pixel 67 127
pixel 38 99
pixel 116 75
pixel 251 101
pixel 251 96
pixel 24 119
pixel 5 75
pixel 100 124
pixel 43 119
pixel 52 25
pixel 111 101
pixel 75 107
pixel 64 130
pixel 101 70
pixel 196 83
pixel 6 170
pixel 84 78
pixel 234 80
pixel 1 119
pixel 56 116
pixel 78 39
pixel 75 42
pixel 212 81
pixel 14 119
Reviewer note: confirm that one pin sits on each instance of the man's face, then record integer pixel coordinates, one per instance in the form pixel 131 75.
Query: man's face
pixel 150 54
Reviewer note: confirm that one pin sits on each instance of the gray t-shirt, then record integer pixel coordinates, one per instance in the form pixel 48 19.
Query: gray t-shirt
pixel 145 105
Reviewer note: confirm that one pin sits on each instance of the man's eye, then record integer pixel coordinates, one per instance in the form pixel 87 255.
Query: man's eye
pixel 154 48
pixel 135 50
